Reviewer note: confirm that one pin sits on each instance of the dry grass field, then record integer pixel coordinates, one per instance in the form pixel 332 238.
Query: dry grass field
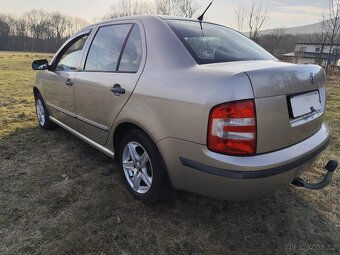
pixel 58 195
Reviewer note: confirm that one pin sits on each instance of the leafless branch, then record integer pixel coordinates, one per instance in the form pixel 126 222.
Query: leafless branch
pixel 251 17
pixel 332 25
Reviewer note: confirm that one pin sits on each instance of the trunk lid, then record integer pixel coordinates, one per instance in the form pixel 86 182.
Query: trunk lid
pixel 284 94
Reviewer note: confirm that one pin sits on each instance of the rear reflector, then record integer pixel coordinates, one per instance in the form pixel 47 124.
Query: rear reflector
pixel 232 128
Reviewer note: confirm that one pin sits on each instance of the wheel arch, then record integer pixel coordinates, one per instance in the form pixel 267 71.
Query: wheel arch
pixel 122 129
pixel 36 92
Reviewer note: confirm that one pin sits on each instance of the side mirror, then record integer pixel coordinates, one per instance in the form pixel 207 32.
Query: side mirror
pixel 41 64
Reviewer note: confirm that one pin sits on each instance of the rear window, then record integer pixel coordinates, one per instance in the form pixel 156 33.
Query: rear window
pixel 215 43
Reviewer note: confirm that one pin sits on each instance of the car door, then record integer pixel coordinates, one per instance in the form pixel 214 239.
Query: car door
pixel 60 79
pixel 110 72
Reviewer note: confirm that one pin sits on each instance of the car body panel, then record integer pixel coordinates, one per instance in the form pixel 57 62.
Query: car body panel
pixel 157 103
pixel 190 179
pixel 60 97
pixel 276 131
pixel 172 111
pixel 273 82
pixel 170 98
pixel 94 88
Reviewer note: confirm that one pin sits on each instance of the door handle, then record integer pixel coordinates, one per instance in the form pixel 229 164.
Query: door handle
pixel 68 83
pixel 117 90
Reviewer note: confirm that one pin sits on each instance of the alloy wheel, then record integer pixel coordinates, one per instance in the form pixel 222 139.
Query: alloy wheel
pixel 137 167
pixel 40 112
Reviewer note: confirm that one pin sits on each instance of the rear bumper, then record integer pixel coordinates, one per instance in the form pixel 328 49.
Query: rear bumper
pixel 194 168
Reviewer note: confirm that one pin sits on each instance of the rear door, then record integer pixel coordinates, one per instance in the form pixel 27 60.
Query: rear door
pixel 58 85
pixel 111 69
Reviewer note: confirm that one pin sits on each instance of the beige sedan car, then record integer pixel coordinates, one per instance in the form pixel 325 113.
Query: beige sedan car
pixel 186 104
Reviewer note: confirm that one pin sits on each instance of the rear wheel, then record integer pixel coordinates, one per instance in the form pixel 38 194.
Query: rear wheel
pixel 142 167
pixel 42 113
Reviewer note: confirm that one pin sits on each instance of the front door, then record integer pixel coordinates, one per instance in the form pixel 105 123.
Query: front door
pixel 111 70
pixel 60 81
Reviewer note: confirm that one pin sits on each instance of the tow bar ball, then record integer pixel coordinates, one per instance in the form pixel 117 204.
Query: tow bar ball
pixel 330 167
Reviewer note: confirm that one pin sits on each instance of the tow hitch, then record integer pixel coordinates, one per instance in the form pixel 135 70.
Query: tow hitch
pixel 330 167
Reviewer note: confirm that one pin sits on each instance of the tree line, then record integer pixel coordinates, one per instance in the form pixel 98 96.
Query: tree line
pixel 37 31
pixel 41 31
pixel 181 8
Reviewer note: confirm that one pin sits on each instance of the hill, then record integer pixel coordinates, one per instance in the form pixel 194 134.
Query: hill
pixel 306 29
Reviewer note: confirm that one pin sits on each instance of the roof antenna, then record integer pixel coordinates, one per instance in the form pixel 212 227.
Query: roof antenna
pixel 200 18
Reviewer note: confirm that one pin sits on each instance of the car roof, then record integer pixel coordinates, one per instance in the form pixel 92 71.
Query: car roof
pixel 141 18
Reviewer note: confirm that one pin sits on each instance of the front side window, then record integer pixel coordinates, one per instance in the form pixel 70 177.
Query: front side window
pixel 70 58
pixel 106 48
pixel 210 43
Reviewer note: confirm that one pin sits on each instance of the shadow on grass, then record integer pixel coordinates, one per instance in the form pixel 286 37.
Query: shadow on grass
pixel 59 195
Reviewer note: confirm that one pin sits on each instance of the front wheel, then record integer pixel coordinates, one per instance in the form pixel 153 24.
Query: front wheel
pixel 142 167
pixel 42 113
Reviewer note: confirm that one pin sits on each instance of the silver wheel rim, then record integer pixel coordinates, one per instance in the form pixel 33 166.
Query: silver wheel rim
pixel 40 112
pixel 137 167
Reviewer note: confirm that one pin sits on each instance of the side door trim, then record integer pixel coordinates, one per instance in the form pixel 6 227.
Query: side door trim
pixel 95 124
pixel 92 123
pixel 84 138
pixel 61 110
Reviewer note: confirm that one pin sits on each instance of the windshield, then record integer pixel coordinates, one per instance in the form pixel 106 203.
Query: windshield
pixel 215 43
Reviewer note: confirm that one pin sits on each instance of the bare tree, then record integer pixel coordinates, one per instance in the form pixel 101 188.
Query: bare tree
pixel 163 7
pixel 76 25
pixel 20 33
pixel 184 8
pixel 4 33
pixel 252 17
pixel 240 16
pixel 142 7
pixel 59 24
pixel 121 8
pixel 321 37
pixel 332 25
pixel 272 41
pixel 37 30
pixel 37 22
pixel 257 17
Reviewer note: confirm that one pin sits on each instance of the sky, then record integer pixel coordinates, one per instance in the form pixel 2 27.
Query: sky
pixel 282 13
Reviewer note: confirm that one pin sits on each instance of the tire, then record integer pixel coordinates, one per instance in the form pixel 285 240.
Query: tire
pixel 43 114
pixel 143 168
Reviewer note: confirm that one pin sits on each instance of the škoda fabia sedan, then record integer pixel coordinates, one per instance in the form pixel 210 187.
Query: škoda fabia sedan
pixel 188 105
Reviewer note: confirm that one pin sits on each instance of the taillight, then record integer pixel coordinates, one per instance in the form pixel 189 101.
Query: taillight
pixel 232 128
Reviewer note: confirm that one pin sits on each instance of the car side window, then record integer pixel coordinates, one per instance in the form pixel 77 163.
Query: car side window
pixel 106 48
pixel 132 54
pixel 70 58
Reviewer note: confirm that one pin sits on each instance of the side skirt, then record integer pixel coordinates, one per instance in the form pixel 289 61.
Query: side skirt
pixel 84 138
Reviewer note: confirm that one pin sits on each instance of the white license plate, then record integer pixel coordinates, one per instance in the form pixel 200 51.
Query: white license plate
pixel 305 103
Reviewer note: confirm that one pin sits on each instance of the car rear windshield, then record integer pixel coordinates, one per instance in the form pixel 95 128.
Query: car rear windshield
pixel 214 43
